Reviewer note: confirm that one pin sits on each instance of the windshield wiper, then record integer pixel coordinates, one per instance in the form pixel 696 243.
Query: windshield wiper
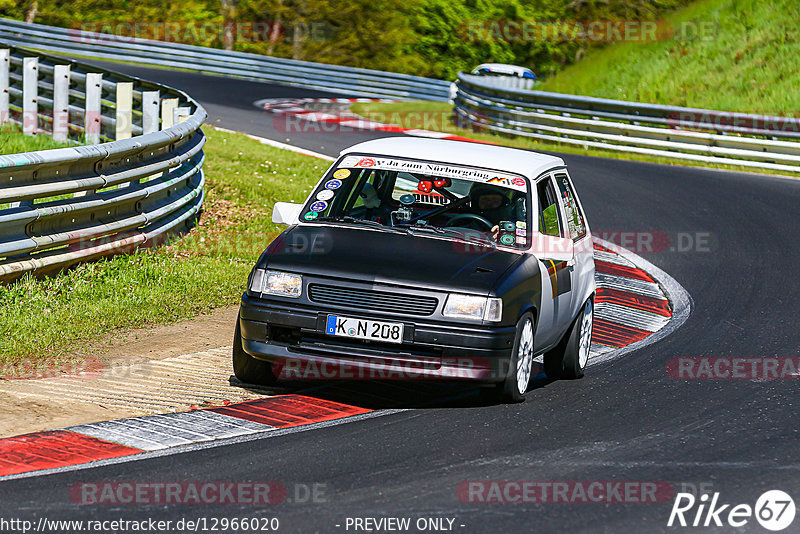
pixel 469 238
pixel 349 219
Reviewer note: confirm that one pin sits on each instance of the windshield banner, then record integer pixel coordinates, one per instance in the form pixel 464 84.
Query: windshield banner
pixel 435 169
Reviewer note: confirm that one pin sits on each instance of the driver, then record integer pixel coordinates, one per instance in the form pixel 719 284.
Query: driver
pixel 490 203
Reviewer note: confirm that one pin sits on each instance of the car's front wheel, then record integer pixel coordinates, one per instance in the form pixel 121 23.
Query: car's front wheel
pixel 569 358
pixel 248 369
pixel 518 376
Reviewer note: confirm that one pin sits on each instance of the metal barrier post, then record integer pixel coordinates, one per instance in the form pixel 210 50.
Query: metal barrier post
pixel 30 95
pixel 180 114
pixel 149 112
pixel 94 83
pixel 61 76
pixel 167 112
pixel 124 110
pixel 4 63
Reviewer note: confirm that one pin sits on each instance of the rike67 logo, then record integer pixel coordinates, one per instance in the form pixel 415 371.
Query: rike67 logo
pixel 774 510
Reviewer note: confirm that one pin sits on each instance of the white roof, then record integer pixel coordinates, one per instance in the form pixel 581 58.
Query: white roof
pixel 524 162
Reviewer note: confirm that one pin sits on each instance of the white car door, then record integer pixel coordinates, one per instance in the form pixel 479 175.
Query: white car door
pixel 555 253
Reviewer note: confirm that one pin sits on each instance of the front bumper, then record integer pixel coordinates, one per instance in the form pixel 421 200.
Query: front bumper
pixel 291 335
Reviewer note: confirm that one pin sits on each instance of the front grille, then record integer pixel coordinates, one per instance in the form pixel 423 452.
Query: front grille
pixel 367 299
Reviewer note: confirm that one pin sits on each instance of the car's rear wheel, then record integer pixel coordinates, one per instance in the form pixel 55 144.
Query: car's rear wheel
pixel 569 358
pixel 518 377
pixel 248 369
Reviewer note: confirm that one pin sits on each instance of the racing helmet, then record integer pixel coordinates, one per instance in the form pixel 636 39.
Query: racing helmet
pixel 488 200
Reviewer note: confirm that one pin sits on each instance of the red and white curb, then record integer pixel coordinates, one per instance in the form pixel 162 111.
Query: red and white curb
pixel 96 442
pixel 334 113
pixel 634 300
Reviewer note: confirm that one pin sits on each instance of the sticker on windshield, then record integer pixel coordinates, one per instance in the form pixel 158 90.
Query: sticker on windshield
pixel 311 215
pixel 522 224
pixel 501 180
pixel 319 205
pixel 437 171
pixel 507 240
pixel 364 162
pixel 521 232
pixel 342 173
pixel 333 184
pixel 325 194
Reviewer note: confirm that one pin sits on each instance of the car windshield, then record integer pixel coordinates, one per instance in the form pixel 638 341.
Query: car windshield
pixel 403 194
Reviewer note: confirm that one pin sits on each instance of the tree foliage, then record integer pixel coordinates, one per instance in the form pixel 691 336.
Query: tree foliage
pixel 422 37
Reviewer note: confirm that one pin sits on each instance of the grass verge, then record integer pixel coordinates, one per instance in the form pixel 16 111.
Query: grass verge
pixel 438 116
pixel 12 141
pixel 728 55
pixel 50 320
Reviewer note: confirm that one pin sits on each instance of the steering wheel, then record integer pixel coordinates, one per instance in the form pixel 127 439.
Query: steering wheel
pixel 470 216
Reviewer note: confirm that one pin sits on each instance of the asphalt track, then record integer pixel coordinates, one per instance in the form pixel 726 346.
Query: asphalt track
pixel 626 421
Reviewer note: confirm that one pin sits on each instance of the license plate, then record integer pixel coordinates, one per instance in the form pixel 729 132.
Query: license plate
pixel 364 329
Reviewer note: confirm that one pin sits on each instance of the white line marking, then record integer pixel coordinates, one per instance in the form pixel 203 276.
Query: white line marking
pixel 284 146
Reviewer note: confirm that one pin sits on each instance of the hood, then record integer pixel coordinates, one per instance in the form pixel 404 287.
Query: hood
pixel 386 257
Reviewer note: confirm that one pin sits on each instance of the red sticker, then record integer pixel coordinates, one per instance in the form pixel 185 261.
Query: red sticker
pixel 518 181
pixel 443 182
pixel 366 162
pixel 425 186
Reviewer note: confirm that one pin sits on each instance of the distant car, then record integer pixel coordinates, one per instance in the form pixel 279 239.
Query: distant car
pixel 425 258
pixel 525 78
pixel 503 69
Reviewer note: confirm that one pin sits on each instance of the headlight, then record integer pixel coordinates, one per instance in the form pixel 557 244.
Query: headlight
pixel 277 283
pixel 469 307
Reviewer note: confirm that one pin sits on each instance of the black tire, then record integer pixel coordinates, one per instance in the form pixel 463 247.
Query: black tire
pixel 564 360
pixel 508 389
pixel 248 369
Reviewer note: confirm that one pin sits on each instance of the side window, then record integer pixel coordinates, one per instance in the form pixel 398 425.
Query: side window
pixel 575 221
pixel 549 216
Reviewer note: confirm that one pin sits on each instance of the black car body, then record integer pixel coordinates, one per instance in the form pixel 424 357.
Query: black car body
pixel 376 294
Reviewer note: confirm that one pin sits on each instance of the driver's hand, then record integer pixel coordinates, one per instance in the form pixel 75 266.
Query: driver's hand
pixel 495 232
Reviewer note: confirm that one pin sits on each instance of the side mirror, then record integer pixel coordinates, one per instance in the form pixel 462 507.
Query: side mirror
pixel 286 213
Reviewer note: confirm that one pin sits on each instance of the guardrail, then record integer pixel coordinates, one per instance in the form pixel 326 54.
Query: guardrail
pixel 741 139
pixel 62 206
pixel 322 76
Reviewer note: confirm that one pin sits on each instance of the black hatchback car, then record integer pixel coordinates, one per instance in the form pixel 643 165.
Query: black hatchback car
pixel 424 259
